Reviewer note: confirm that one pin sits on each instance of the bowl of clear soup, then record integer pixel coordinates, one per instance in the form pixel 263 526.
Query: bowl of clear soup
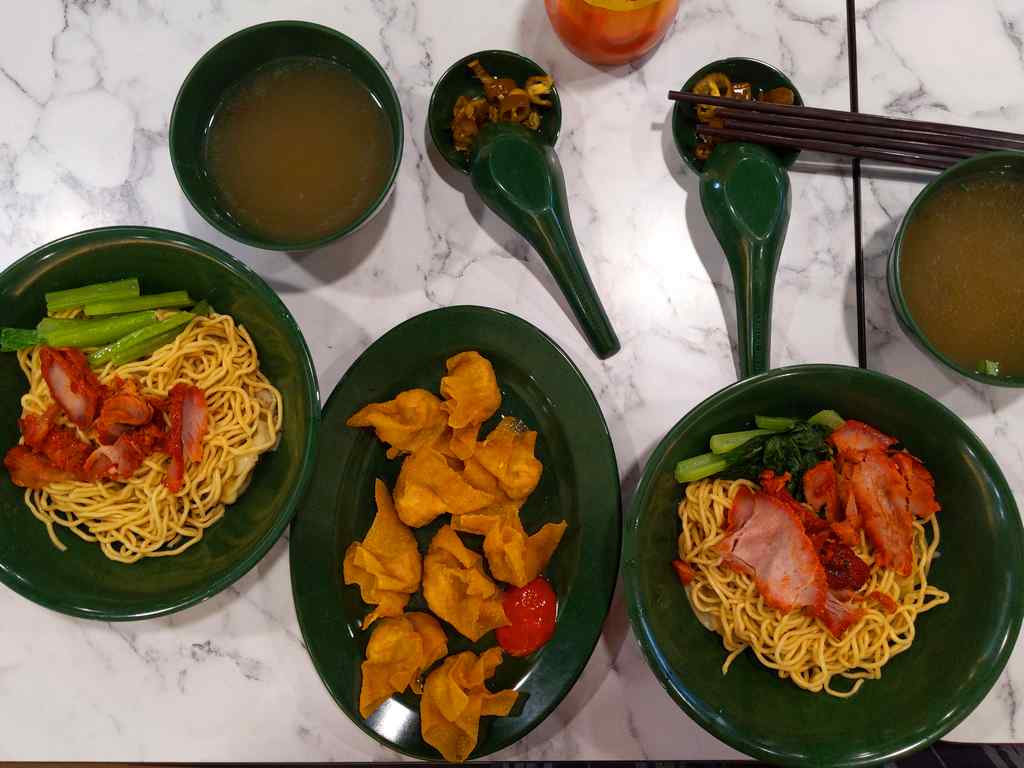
pixel 286 136
pixel 956 269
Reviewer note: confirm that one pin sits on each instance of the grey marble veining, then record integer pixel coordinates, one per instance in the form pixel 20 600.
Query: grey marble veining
pixel 86 90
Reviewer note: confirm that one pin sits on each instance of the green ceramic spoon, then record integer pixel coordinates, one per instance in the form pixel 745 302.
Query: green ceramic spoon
pixel 745 194
pixel 517 174
pixel 744 191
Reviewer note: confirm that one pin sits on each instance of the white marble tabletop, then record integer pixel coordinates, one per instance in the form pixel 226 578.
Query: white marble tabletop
pixel 86 90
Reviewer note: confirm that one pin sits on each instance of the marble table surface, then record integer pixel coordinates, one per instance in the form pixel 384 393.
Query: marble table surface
pixel 86 90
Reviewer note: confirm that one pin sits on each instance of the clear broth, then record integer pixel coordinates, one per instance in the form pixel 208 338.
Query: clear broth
pixel 299 150
pixel 962 268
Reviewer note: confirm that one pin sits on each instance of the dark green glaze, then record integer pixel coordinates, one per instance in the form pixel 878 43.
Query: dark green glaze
pixel 745 194
pixel 230 61
pixel 960 648
pixel 996 163
pixel 517 174
pixel 739 70
pixel 81 581
pixel 580 484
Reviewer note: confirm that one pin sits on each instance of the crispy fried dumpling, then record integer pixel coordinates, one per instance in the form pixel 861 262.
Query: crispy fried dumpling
pixel 400 648
pixel 386 564
pixel 517 558
pixel 507 453
pixel 428 486
pixel 454 700
pixel 456 588
pixel 412 420
pixel 471 397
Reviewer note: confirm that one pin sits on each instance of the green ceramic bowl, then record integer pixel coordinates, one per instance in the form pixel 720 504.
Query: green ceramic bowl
pixel 993 163
pixel 960 648
pixel 81 581
pixel 459 81
pixel 230 61
pixel 740 70
pixel 580 484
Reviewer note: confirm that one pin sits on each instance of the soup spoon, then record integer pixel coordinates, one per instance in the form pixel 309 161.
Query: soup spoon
pixel 745 195
pixel 517 174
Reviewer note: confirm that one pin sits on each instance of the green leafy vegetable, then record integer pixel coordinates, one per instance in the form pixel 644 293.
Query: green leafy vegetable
pixel 73 298
pixel 795 449
pixel 988 367
pixel 94 333
pixel 13 339
pixel 729 440
pixel 127 348
pixel 137 303
pixel 828 419
pixel 775 423
pixel 697 468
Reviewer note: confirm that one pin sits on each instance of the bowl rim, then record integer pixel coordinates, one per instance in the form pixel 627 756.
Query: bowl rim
pixel 613 567
pixel 648 644
pixel 895 277
pixel 40 256
pixel 398 139
pixel 441 141
pixel 677 117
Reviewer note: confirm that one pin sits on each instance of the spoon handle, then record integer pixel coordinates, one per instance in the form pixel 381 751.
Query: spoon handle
pixel 521 180
pixel 753 275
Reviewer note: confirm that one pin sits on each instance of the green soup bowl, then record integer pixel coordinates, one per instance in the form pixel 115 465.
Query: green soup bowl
pixel 960 648
pixel 992 164
pixel 230 61
pixel 81 581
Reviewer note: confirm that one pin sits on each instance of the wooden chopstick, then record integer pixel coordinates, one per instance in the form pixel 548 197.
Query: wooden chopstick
pixel 859 118
pixel 973 143
pixel 840 136
pixel 920 160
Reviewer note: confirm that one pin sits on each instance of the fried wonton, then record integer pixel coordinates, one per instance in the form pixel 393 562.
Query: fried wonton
pixel 456 588
pixel 400 648
pixel 507 453
pixel 428 486
pixel 471 398
pixel 454 700
pixel 516 558
pixel 501 509
pixel 386 564
pixel 412 420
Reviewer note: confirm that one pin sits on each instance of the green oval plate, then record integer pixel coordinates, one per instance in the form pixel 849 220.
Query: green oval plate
pixel 580 484
pixel 81 581
pixel 960 648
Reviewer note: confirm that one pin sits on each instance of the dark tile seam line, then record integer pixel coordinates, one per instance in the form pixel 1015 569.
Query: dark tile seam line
pixel 858 256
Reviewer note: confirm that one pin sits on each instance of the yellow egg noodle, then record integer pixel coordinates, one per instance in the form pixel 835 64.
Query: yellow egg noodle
pixel 795 645
pixel 142 518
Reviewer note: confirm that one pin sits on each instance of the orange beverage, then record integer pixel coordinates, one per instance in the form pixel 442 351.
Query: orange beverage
pixel 611 31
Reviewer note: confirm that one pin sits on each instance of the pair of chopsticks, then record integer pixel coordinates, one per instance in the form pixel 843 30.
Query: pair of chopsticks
pixel 872 137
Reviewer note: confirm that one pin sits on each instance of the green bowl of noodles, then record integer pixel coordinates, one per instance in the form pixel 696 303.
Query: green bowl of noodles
pixel 959 649
pixel 80 579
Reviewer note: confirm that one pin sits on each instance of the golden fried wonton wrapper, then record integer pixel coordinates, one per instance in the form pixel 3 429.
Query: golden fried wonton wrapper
pixel 516 558
pixel 472 397
pixel 400 648
pixel 501 509
pixel 386 564
pixel 454 700
pixel 427 486
pixel 412 420
pixel 456 588
pixel 507 453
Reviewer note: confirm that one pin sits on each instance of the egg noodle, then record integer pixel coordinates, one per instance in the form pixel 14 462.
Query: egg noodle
pixel 796 645
pixel 141 518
